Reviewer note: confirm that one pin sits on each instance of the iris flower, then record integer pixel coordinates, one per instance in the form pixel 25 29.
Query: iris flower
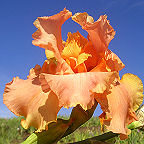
pixel 78 71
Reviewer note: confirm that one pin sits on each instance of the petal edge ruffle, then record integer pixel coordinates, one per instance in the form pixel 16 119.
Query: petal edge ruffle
pixel 26 98
pixel 77 88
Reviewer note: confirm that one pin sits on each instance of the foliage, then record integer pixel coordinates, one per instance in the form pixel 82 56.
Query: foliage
pixel 11 132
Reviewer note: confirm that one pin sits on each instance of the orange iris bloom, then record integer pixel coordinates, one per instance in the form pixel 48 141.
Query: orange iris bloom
pixel 78 71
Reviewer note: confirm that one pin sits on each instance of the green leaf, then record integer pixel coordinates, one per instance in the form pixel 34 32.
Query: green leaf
pixel 62 128
pixel 78 117
pixel 54 132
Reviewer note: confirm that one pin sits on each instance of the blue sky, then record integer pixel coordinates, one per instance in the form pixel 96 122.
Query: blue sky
pixel 18 55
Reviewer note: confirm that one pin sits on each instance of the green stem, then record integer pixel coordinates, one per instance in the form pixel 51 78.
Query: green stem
pixel 32 139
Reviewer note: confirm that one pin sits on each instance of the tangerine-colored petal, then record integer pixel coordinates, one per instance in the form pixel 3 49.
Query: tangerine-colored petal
pixel 49 66
pixel 115 105
pixel 82 18
pixel 121 113
pixel 81 68
pixel 72 53
pixel 100 32
pixel 76 88
pixel 108 62
pixel 26 98
pixel 78 38
pixel 77 68
pixel 113 61
pixel 48 35
pixel 120 102
pixel 101 67
pixel 92 61
pixel 72 63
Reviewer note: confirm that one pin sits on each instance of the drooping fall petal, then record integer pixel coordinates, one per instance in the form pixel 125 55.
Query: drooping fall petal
pixel 26 98
pixel 77 88
pixel 122 100
pixel 118 102
pixel 135 89
pixel 100 32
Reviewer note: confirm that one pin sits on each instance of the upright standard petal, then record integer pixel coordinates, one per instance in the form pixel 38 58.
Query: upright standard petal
pixel 100 32
pixel 27 98
pixel 113 61
pixel 48 36
pixel 77 88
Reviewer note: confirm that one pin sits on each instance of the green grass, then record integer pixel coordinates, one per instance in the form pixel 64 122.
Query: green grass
pixel 11 132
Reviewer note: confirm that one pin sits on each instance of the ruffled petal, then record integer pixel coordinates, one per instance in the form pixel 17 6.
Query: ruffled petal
pixel 77 88
pixel 82 58
pixel 48 35
pixel 113 61
pixel 115 106
pixel 75 66
pixel 135 88
pixel 78 38
pixel 71 50
pixel 27 98
pixel 49 66
pixel 100 32
pixel 109 62
pixel 120 103
pixel 82 18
